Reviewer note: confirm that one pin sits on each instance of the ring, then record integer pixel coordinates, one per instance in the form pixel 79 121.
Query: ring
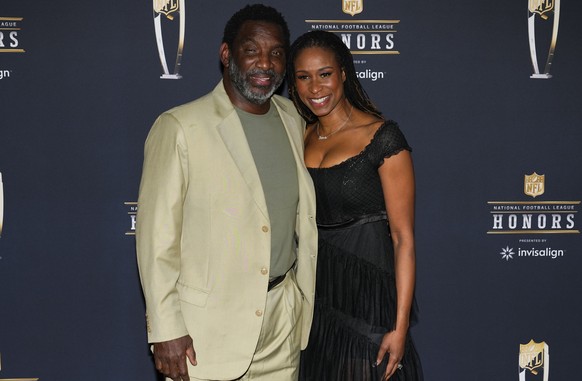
pixel 399 366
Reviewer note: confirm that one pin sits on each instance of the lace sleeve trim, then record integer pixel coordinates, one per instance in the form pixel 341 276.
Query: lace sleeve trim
pixel 388 141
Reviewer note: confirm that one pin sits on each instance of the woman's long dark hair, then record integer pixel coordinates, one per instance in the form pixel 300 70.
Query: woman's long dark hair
pixel 353 90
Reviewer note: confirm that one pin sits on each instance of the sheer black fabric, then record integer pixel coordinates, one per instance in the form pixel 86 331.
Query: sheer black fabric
pixel 355 301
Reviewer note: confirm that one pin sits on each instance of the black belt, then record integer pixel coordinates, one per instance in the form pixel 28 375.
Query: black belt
pixel 360 220
pixel 275 281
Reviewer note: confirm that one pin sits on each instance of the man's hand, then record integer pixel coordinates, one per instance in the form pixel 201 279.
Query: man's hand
pixel 170 357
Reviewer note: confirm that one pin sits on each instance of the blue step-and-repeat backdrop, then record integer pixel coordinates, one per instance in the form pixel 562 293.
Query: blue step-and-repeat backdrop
pixel 489 95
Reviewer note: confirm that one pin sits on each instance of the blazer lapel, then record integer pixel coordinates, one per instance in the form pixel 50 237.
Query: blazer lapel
pixel 295 137
pixel 235 141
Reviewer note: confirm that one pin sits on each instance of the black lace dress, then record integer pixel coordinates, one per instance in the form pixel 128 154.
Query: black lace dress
pixel 355 300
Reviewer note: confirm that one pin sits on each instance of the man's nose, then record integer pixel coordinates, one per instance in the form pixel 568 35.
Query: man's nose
pixel 265 61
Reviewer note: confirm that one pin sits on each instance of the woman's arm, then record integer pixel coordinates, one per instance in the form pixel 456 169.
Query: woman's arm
pixel 397 177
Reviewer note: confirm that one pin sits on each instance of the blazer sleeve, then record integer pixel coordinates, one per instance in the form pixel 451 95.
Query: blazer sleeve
pixel 159 227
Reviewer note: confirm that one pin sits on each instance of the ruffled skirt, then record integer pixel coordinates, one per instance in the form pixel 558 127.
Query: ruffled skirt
pixel 355 305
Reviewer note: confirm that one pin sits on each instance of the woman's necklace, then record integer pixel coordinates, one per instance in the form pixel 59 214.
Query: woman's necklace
pixel 324 137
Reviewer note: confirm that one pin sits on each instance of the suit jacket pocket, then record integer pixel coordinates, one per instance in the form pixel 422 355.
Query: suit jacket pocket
pixel 191 295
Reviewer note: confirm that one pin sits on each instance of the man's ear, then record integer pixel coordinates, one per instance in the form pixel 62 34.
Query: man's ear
pixel 224 53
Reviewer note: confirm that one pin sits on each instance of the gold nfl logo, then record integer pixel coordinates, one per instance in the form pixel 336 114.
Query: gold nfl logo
pixel 541 7
pixel 533 185
pixel 533 356
pixel 353 7
pixel 166 7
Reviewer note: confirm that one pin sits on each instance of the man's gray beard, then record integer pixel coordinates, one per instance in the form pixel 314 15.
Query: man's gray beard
pixel 240 82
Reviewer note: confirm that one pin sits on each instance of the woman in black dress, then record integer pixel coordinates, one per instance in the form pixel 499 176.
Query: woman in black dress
pixel 364 180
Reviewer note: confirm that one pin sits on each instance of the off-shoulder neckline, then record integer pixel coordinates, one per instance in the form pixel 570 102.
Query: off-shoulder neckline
pixel 363 151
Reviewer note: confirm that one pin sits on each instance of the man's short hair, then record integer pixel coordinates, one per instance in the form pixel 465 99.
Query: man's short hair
pixel 254 12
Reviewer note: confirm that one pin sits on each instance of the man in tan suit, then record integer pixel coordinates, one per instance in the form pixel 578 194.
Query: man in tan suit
pixel 226 234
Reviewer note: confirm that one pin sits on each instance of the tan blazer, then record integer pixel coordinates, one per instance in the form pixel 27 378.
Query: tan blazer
pixel 203 233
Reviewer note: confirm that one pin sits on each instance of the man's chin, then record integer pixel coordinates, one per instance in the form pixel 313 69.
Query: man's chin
pixel 260 97
pixel 259 101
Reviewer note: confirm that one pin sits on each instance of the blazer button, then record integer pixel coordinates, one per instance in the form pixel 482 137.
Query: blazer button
pixel 264 271
pixel 265 229
pixel 259 313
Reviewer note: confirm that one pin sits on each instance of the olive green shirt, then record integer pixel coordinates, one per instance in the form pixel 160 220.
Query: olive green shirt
pixel 275 163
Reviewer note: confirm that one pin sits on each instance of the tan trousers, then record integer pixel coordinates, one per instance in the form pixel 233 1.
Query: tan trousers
pixel 276 357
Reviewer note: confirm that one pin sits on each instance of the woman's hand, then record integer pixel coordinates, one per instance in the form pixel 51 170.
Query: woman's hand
pixel 392 344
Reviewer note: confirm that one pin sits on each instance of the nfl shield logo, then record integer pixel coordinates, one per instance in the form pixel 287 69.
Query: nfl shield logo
pixel 353 7
pixel 166 6
pixel 533 185
pixel 541 7
pixel 534 357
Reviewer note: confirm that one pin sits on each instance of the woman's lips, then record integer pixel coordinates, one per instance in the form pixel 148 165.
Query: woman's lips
pixel 319 102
